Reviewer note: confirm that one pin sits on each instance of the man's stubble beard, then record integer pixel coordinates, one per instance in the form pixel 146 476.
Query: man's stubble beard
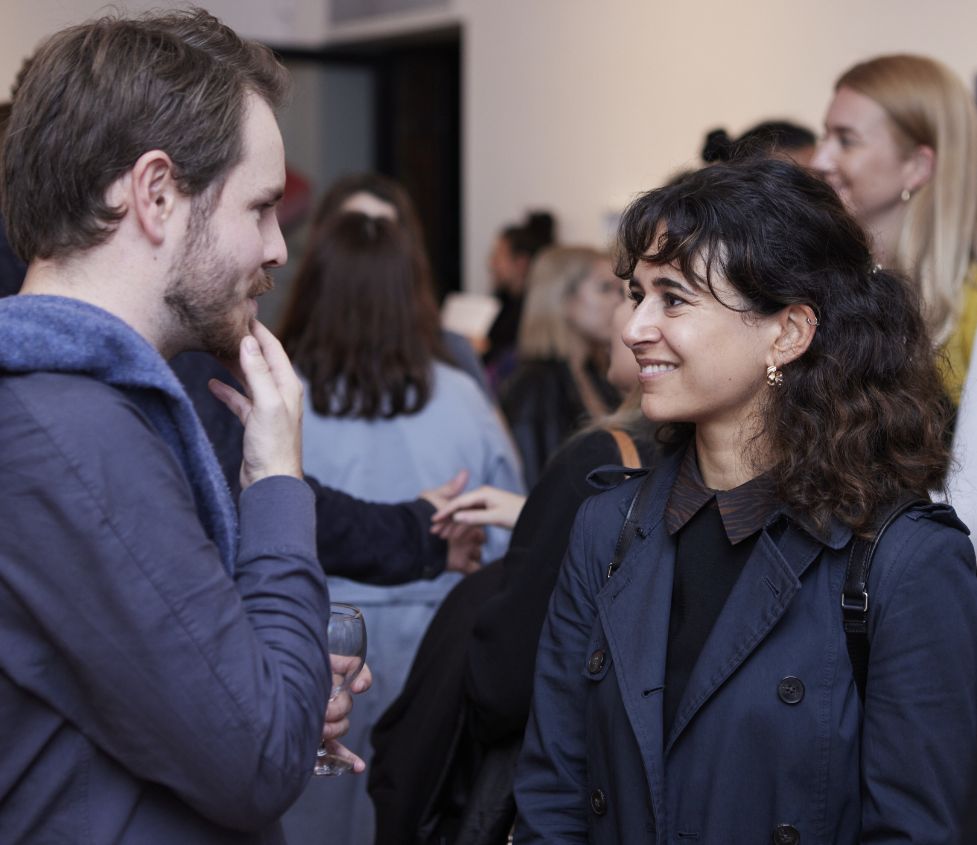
pixel 202 293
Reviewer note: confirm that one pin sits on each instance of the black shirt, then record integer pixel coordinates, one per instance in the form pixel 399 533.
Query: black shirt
pixel 715 532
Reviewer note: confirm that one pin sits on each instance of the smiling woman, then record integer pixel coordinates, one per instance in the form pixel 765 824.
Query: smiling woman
pixel 900 147
pixel 701 689
pixel 717 386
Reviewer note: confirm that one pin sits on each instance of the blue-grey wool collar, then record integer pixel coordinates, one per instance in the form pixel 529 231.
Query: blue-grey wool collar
pixel 63 335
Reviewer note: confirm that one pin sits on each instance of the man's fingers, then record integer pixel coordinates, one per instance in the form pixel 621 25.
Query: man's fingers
pixel 345 664
pixel 233 366
pixel 334 730
pixel 278 363
pixel 339 707
pixel 239 405
pixel 340 750
pixel 258 379
pixel 363 681
pixel 271 346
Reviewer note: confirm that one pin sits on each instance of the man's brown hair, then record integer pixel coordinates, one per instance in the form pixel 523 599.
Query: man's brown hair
pixel 99 95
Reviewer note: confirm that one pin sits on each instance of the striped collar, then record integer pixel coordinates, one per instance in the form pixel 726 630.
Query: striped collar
pixel 744 509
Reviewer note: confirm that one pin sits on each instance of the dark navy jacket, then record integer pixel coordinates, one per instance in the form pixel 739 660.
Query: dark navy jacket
pixel 770 741
pixel 145 696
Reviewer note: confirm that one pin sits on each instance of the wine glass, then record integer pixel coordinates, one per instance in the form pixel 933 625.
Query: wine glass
pixel 347 654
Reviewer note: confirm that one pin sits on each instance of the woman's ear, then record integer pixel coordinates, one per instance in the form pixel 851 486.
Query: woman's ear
pixel 920 167
pixel 797 324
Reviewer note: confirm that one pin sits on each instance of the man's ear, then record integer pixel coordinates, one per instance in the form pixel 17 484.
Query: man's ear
pixel 153 193
pixel 797 325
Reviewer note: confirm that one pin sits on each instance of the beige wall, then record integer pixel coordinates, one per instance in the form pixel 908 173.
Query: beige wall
pixel 577 104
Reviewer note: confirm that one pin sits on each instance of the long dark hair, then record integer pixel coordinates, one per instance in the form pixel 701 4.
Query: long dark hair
pixel 861 416
pixel 361 323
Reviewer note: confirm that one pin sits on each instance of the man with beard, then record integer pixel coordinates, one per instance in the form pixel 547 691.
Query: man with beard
pixel 165 669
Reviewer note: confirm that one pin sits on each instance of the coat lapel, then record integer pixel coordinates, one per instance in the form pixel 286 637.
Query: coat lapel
pixel 758 600
pixel 633 609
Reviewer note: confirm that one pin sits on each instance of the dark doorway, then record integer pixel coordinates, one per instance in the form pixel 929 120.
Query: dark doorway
pixel 416 129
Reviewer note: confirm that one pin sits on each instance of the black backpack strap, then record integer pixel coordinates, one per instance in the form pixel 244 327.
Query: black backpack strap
pixel 854 594
pixel 630 526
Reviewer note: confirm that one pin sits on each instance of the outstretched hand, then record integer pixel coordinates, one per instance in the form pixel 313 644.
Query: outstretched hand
pixel 440 496
pixel 270 409
pixel 484 506
pixel 464 547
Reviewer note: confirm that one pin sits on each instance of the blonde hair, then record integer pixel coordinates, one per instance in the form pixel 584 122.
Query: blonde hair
pixel 553 277
pixel 628 417
pixel 927 104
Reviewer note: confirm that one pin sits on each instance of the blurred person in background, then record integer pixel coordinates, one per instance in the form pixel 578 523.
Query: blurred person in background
pixel 512 254
pixel 376 195
pixel 900 148
pixel 564 342
pixel 775 138
pixel 444 750
pixel 385 415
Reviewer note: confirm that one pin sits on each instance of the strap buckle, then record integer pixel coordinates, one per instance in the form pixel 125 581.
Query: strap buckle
pixel 853 605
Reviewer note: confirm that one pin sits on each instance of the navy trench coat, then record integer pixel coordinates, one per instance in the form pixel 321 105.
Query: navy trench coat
pixel 771 742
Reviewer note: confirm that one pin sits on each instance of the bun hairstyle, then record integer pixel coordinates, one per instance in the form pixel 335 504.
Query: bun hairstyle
pixel 764 139
pixel 718 146
pixel 537 232
pixel 542 225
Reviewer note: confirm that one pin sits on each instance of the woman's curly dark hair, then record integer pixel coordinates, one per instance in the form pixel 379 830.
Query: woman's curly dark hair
pixel 861 417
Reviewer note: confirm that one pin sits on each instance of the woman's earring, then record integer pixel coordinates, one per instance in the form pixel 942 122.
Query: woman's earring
pixel 775 377
pixel 906 195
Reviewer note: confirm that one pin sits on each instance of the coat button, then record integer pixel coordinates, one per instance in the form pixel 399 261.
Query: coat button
pixel 598 802
pixel 786 834
pixel 596 662
pixel 791 691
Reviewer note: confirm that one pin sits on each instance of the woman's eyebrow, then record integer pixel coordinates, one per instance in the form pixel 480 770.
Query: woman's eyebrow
pixel 668 282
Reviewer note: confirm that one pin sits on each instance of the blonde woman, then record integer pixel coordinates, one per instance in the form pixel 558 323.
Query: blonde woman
pixel 564 342
pixel 900 148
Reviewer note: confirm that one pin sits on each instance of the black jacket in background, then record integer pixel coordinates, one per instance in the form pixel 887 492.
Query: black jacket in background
pixel 471 682
pixel 363 541
pixel 543 407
